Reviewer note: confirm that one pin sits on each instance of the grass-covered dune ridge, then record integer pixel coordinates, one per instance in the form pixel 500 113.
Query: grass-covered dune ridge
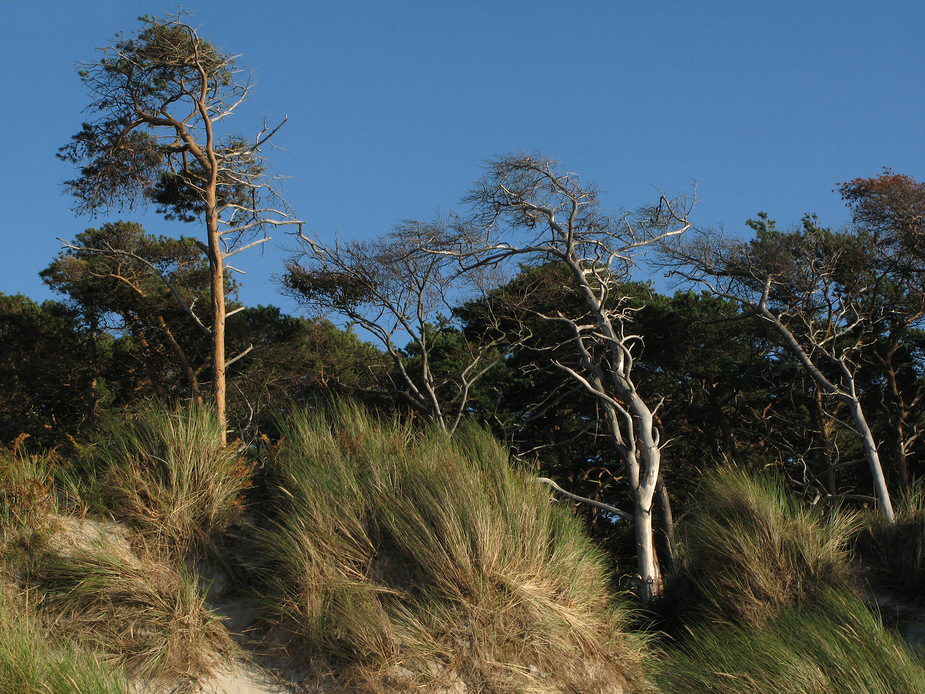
pixel 771 601
pixel 376 555
pixel 399 545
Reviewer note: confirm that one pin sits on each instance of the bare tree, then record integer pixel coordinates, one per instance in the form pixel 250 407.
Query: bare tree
pixel 403 296
pixel 809 288
pixel 158 99
pixel 526 210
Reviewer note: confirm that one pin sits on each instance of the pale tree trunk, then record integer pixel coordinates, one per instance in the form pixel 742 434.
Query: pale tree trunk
pixel 873 458
pixel 641 454
pixel 650 579
pixel 845 392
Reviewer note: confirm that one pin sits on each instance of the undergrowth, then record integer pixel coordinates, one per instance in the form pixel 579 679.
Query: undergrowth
pixel 34 661
pixel 769 604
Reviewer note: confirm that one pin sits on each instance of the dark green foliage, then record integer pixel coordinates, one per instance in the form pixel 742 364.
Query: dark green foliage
pixel 895 553
pixel 295 362
pixel 120 155
pixel 48 386
pixel 138 285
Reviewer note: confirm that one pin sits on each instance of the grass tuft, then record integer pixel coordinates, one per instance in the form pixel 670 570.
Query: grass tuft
pixel 753 548
pixel 27 489
pixel 164 473
pixel 422 559
pixel 147 613
pixel 835 645
pixel 32 663
pixel 896 551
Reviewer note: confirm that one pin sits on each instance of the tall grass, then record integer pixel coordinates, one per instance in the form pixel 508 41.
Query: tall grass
pixel 27 489
pixel 164 473
pixel 834 645
pixel 896 551
pixel 147 614
pixel 32 663
pixel 752 548
pixel 770 603
pixel 397 546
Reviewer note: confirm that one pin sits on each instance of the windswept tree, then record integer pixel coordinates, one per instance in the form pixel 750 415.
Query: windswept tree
pixel 819 292
pixel 528 211
pixel 159 102
pixel 139 285
pixel 403 295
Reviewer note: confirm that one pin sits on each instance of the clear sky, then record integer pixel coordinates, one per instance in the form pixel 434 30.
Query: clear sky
pixel 395 106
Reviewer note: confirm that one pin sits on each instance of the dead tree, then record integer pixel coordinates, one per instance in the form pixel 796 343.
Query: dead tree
pixel 528 211
pixel 808 286
pixel 403 296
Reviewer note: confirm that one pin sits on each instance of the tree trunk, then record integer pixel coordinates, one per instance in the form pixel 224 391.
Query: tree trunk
pixel 217 269
pixel 873 459
pixel 650 580
pixel 667 517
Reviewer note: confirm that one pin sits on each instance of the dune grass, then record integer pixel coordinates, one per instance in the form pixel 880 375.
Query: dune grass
pixel 146 613
pixel 401 559
pixel 420 559
pixel 895 552
pixel 752 548
pixel 835 644
pixel 31 662
pixel 163 473
pixel 770 604
pixel 27 489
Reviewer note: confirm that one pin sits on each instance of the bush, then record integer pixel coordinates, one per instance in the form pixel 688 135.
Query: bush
pixel 397 546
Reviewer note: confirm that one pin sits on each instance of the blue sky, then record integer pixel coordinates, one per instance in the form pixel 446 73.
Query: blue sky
pixel 395 106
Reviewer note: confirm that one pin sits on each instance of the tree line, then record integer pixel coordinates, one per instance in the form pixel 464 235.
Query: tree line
pixel 798 349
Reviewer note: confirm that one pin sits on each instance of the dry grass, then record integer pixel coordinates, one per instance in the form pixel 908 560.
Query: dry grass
pixel 147 614
pixel 27 489
pixel 32 661
pixel 164 474
pixel 421 560
pixel 753 548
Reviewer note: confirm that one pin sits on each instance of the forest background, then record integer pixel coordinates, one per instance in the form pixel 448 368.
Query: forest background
pixel 121 337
